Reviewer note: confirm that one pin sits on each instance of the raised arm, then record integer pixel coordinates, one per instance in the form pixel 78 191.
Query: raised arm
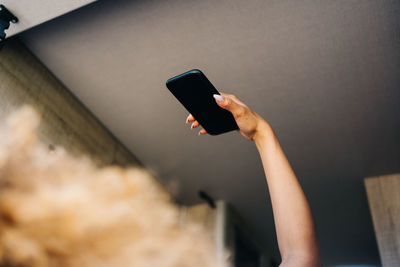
pixel 295 230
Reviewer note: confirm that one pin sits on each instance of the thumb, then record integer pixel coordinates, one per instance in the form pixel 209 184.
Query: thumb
pixel 226 102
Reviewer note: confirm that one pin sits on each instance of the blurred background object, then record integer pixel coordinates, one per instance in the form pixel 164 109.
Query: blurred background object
pixel 6 17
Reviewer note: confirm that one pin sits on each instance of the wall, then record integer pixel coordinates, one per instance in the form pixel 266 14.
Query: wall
pixel 65 121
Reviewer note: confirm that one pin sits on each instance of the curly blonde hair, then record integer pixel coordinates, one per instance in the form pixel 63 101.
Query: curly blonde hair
pixel 57 210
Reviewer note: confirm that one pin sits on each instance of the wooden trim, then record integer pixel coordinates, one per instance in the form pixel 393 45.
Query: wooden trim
pixel 383 194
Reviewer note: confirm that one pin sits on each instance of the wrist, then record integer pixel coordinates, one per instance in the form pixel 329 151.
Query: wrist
pixel 264 132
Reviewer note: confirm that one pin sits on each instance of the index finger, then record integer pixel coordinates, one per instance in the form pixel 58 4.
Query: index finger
pixel 190 118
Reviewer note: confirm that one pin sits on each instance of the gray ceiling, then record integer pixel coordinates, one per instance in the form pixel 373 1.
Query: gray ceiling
pixel 31 13
pixel 325 74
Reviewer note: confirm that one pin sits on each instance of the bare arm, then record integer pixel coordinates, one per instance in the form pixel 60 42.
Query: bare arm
pixel 297 239
pixel 296 234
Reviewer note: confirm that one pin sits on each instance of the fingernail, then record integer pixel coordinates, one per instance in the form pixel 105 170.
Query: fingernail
pixel 191 127
pixel 219 98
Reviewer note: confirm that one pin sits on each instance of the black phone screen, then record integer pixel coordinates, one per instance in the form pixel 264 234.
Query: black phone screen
pixel 195 92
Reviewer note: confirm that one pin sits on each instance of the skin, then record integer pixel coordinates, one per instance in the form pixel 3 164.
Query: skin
pixel 294 224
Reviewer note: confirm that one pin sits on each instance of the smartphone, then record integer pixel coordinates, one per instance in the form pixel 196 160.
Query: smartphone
pixel 195 92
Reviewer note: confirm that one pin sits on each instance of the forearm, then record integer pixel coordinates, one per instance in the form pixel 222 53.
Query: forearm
pixel 293 220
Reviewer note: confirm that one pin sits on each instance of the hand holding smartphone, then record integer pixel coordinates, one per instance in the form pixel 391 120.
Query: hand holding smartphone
pixel 195 92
